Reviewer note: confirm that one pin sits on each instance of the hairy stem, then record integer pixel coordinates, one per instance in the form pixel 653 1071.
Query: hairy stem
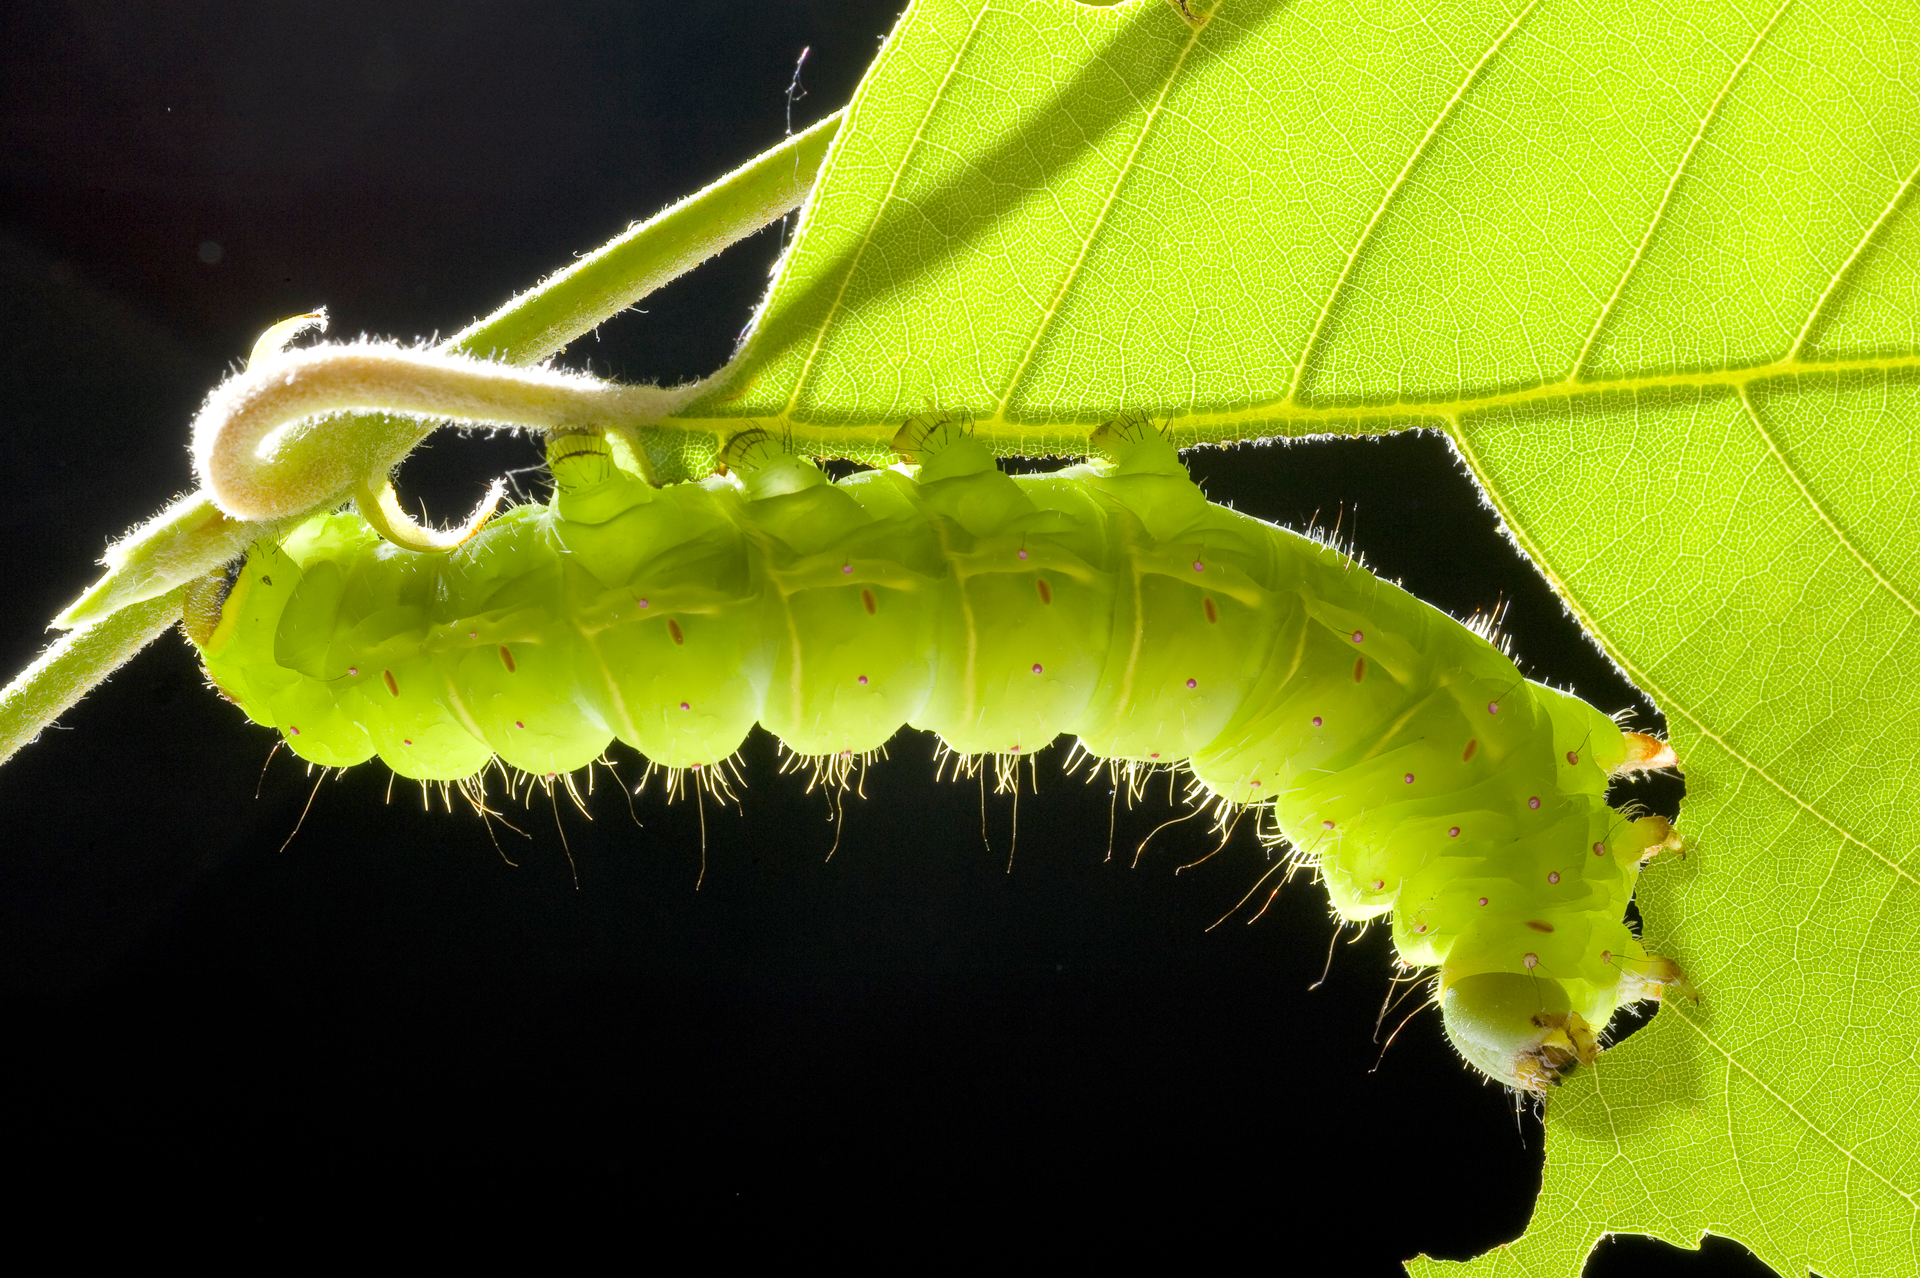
pixel 140 594
pixel 258 464
pixel 76 662
pixel 187 539
pixel 192 537
pixel 613 277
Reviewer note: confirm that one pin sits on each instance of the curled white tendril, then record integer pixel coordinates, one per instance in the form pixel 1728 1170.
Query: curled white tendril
pixel 301 428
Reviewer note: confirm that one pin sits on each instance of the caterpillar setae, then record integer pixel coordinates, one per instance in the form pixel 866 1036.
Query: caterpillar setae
pixel 1400 754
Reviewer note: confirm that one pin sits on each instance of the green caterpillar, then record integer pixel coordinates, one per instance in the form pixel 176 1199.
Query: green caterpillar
pixel 1401 754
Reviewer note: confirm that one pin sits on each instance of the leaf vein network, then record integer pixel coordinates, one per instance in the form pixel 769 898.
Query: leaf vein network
pixel 1671 705
pixel 1819 509
pixel 1891 210
pixel 893 185
pixel 1907 1196
pixel 1673 185
pixel 1121 173
pixel 1387 198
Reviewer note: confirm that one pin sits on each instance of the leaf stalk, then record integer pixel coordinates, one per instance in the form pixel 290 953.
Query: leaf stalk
pixel 141 592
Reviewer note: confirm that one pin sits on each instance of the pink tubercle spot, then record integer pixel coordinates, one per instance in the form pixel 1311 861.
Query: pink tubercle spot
pixel 353 670
pixel 1531 960
pixel 1198 566
pixel 1553 876
pixel 1326 825
pixel 1533 801
pixel 473 634
pixel 1154 755
pixel 1483 900
pixel 1193 683
pixel 685 706
pixel 1599 849
pixel 406 740
pixel 863 681
pixel 1359 636
pixel 1023 554
pixel 518 723
pixel 1454 832
pixel 1377 884
pixel 1493 707
pixel 1408 778
pixel 1316 721
pixel 294 729
pixel 1255 783
pixel 846 570
pixel 1420 927
pixel 1014 749
pixel 1036 667
pixel 643 603
pixel 1573 756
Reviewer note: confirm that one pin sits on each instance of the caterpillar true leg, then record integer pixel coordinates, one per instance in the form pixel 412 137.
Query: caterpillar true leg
pixel 1397 753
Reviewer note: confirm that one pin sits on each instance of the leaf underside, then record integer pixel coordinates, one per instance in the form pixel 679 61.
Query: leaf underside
pixel 1655 269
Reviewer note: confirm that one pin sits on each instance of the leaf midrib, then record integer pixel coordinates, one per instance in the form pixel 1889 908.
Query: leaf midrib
pixel 1268 418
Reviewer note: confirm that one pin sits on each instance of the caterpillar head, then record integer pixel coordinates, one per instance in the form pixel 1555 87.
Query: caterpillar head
pixel 1517 1028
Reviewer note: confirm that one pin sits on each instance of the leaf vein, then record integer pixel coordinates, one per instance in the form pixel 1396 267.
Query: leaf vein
pixel 1887 214
pixel 1121 173
pixel 1833 525
pixel 1734 1063
pixel 1661 698
pixel 1386 201
pixel 900 171
pixel 1666 198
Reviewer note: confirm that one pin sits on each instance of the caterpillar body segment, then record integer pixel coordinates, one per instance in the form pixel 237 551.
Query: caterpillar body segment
pixel 1401 754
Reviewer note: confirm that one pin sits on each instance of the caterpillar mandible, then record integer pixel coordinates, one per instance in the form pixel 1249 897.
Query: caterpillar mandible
pixel 1398 753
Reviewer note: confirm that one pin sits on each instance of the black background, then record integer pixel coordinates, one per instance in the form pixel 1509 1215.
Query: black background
pixel 387 1020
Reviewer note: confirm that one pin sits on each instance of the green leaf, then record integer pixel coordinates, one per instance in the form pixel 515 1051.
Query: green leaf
pixel 1655 270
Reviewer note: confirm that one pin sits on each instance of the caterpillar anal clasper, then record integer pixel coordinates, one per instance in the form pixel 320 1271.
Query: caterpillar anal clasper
pixel 1399 753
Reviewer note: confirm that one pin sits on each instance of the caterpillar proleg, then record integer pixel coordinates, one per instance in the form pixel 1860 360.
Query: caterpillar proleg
pixel 1400 754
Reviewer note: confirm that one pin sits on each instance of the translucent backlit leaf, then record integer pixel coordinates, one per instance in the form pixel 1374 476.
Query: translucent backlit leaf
pixel 1655 270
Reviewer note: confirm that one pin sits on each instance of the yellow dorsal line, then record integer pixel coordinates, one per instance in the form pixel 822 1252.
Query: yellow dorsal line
pixel 970 682
pixel 1123 705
